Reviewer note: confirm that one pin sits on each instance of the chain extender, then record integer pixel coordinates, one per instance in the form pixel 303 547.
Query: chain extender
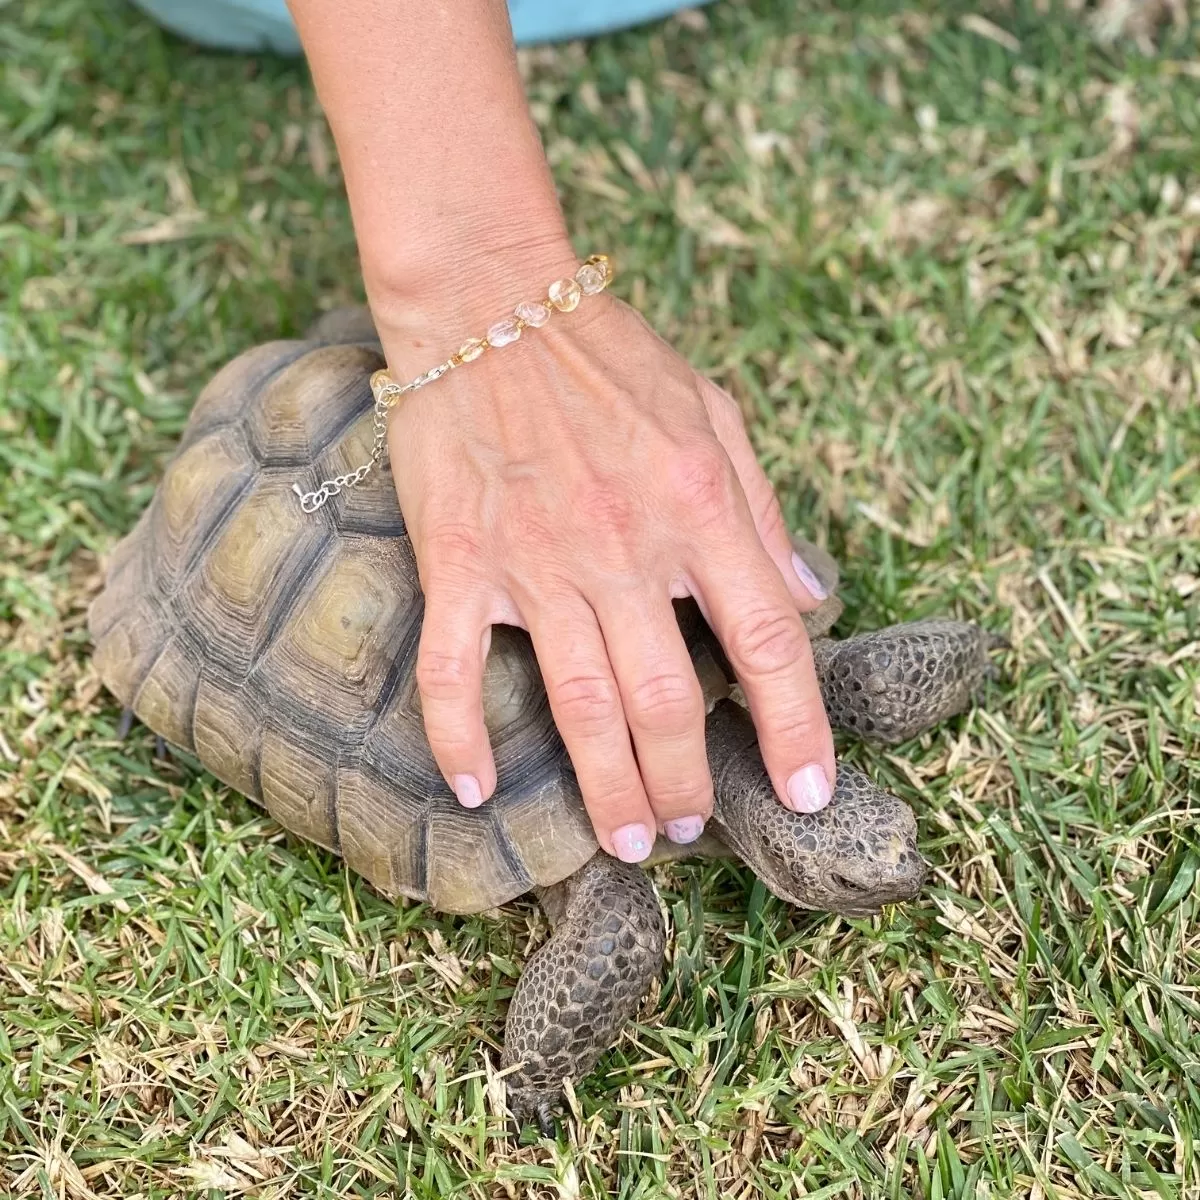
pixel 387 392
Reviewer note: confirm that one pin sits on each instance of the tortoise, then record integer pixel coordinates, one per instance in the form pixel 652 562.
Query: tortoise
pixel 279 648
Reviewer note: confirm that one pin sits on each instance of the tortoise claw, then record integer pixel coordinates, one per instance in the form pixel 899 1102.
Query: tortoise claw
pixel 125 724
pixel 528 1106
pixel 995 641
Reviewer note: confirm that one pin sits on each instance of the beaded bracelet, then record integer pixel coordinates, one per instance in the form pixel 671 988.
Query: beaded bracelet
pixel 563 295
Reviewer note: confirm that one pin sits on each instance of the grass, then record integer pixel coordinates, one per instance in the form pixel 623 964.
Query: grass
pixel 948 265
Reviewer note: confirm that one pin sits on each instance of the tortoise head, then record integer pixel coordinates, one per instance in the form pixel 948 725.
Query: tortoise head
pixel 853 857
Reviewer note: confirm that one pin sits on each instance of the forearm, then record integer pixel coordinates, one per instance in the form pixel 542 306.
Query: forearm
pixel 453 203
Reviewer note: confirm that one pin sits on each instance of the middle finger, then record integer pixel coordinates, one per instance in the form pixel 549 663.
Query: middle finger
pixel 664 707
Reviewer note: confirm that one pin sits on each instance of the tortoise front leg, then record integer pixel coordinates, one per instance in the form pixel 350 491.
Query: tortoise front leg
pixel 581 987
pixel 891 685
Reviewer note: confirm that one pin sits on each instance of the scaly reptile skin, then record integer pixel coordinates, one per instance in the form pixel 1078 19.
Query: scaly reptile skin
pixel 853 857
pixel 891 685
pixel 583 984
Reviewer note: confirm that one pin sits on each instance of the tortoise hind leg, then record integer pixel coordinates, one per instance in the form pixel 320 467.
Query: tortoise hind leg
pixel 890 685
pixel 583 984
pixel 125 724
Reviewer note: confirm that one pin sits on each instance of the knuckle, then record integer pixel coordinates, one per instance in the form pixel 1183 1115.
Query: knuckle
pixel 665 703
pixel 586 703
pixel 452 545
pixel 610 509
pixel 802 725
pixel 767 643
pixel 684 797
pixel 703 481
pixel 451 746
pixel 613 800
pixel 442 675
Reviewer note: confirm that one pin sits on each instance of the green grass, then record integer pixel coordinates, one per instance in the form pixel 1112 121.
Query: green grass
pixel 953 281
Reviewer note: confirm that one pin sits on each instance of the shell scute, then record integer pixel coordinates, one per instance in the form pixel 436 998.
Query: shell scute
pixel 335 653
pixel 197 490
pixel 472 863
pixel 223 399
pixel 550 849
pixel 299 787
pixel 227 729
pixel 281 646
pixel 382 831
pixel 253 569
pixel 371 507
pixel 166 699
pixel 306 406
pixel 125 654
pixel 513 694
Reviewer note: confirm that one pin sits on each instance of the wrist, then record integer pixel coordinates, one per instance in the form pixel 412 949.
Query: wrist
pixel 425 307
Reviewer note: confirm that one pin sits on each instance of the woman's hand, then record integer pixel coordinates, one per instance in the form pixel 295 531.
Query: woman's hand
pixel 573 484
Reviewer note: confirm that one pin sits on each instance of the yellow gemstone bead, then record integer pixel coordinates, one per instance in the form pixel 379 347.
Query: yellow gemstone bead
pixel 471 349
pixel 565 295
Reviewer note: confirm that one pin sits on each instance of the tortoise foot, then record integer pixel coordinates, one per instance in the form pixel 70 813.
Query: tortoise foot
pixel 162 749
pixel 583 984
pixel 531 1105
pixel 891 685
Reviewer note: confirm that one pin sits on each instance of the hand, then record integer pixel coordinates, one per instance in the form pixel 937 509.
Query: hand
pixel 572 484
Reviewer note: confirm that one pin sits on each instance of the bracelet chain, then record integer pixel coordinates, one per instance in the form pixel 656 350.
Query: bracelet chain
pixel 562 296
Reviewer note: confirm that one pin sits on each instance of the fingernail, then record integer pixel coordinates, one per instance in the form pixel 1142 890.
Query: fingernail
pixel 466 788
pixel 683 830
pixel 805 575
pixel 631 842
pixel 808 790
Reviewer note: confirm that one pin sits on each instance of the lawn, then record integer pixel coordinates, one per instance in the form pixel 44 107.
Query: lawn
pixel 945 255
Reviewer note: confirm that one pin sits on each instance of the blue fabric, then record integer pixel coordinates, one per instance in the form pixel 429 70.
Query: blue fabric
pixel 267 25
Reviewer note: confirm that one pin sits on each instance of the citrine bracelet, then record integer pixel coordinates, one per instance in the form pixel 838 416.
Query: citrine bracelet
pixel 563 295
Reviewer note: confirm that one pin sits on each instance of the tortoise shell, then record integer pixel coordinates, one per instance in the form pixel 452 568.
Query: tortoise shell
pixel 279 646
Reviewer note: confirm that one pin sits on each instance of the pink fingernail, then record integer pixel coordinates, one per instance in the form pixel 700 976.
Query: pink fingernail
pixel 684 830
pixel 808 790
pixel 468 791
pixel 805 574
pixel 632 843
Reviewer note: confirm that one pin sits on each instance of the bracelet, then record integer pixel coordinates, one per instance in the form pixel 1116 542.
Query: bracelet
pixel 563 295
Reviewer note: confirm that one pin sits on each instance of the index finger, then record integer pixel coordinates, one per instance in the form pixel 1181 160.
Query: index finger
pixel 757 624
